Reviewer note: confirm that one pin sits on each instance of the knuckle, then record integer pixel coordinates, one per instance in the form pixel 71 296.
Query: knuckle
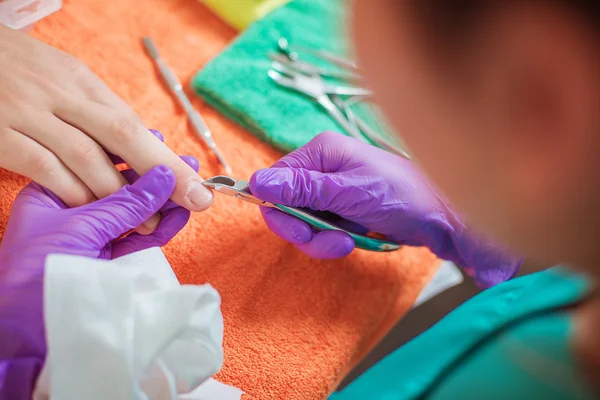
pixel 46 84
pixel 75 67
pixel 41 165
pixel 87 152
pixel 125 128
pixel 326 136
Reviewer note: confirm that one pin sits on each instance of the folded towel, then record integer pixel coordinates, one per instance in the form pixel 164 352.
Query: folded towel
pixel 292 325
pixel 236 81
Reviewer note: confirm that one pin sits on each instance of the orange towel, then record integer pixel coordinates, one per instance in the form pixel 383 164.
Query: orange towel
pixel 293 325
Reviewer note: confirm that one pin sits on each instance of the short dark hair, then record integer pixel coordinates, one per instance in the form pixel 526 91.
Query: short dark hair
pixel 449 20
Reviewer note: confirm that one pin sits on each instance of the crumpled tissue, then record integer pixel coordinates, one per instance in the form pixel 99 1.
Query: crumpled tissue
pixel 126 329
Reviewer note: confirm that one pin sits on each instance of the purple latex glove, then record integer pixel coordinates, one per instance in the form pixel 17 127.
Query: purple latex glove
pixel 372 190
pixel 40 224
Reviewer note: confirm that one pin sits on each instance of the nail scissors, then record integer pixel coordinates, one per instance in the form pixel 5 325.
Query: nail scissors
pixel 239 189
pixel 315 88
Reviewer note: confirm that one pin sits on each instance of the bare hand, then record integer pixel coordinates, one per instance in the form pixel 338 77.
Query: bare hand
pixel 58 121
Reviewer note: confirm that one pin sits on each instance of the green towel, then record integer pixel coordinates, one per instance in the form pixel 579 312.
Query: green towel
pixel 236 82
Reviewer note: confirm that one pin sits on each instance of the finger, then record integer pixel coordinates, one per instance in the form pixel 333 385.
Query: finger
pixel 132 176
pixel 118 160
pixel 324 153
pixel 328 245
pixel 25 156
pixel 133 204
pixel 77 151
pixel 95 89
pixel 287 227
pixel 173 221
pixel 124 135
pixel 82 155
pixel 301 188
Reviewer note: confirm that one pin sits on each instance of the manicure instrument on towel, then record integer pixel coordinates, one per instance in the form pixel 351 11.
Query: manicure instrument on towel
pixel 317 89
pixel 175 86
pixel 288 50
pixel 358 124
pixel 314 81
pixel 239 189
pixel 311 69
pixel 329 97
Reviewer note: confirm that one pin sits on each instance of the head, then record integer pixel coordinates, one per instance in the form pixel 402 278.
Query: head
pixel 499 102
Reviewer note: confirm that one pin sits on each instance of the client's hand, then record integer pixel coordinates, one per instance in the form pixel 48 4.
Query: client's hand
pixel 40 224
pixel 378 191
pixel 58 121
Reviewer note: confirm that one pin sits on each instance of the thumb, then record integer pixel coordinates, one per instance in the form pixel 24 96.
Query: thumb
pixel 298 187
pixel 133 204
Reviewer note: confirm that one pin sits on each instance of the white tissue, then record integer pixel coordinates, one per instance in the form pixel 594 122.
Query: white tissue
pixel 126 329
pixel 447 276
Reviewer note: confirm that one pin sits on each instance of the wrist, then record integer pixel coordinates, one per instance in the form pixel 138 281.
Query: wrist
pixel 486 262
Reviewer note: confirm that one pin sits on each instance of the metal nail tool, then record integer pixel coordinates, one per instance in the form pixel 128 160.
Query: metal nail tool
pixel 307 80
pixel 360 125
pixel 313 86
pixel 311 69
pixel 291 52
pixel 239 189
pixel 195 118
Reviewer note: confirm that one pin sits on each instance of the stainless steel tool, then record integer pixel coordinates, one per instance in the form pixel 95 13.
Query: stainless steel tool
pixel 311 69
pixel 175 86
pixel 292 53
pixel 239 189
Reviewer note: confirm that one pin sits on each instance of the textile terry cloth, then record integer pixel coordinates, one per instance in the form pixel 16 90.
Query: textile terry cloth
pixel 237 84
pixel 293 325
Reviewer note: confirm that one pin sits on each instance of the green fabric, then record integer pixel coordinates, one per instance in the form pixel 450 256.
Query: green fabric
pixel 236 81
pixel 511 341
pixel 531 359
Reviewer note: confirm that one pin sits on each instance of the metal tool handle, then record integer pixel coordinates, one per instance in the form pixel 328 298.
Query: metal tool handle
pixel 378 139
pixel 337 115
pixel 348 91
pixel 340 61
pixel 360 241
pixel 361 126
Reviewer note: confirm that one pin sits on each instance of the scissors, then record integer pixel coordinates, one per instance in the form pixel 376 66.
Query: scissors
pixel 315 88
pixel 240 190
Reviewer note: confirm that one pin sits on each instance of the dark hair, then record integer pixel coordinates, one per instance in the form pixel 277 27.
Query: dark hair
pixel 449 20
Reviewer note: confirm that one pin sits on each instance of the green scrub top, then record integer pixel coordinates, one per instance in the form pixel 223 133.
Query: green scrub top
pixel 510 342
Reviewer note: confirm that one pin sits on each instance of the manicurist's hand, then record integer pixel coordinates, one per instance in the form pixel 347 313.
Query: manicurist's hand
pixel 58 121
pixel 377 191
pixel 40 224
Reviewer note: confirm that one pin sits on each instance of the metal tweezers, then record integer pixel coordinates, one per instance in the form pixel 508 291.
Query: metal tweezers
pixel 239 189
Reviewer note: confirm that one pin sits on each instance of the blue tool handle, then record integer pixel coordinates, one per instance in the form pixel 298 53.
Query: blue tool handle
pixel 360 241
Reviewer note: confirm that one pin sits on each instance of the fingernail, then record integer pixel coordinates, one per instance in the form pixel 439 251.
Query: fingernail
pixel 199 197
pixel 149 226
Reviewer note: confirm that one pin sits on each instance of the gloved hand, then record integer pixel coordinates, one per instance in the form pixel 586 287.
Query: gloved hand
pixel 40 224
pixel 375 191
